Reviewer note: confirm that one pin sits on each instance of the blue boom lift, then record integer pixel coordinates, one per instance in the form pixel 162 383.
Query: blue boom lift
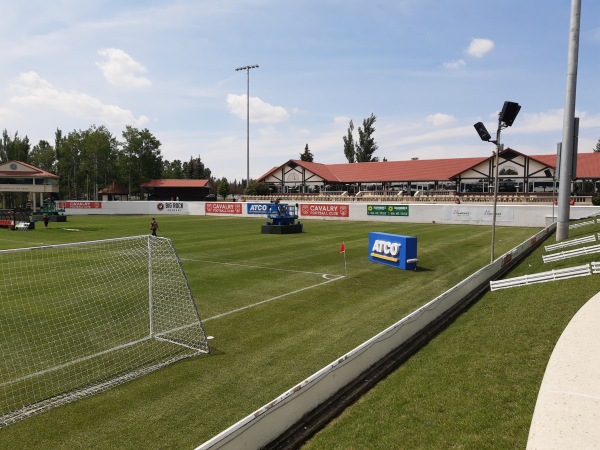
pixel 283 219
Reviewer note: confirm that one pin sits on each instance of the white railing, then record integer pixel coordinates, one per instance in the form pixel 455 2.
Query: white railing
pixel 582 224
pixel 570 243
pixel 542 277
pixel 572 253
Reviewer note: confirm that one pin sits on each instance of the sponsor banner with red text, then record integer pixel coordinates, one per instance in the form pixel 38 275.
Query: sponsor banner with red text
pixel 324 210
pixel 223 208
pixel 78 205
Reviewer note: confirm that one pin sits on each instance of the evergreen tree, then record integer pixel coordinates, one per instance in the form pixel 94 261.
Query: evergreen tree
pixel 307 155
pixel 366 145
pixel 195 169
pixel 597 148
pixel 223 188
pixel 349 149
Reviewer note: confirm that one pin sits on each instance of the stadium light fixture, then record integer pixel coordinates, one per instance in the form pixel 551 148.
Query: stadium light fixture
pixel 247 69
pixel 483 132
pixel 507 116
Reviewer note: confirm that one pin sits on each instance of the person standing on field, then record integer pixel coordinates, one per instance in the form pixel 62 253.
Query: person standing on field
pixel 153 226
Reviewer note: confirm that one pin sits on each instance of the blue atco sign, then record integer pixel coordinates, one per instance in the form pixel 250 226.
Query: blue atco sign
pixel 393 250
pixel 258 208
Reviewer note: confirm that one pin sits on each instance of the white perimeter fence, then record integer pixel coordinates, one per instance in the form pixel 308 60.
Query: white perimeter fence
pixel 530 215
pixel 273 419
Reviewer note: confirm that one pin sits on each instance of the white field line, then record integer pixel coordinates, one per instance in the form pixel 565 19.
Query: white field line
pixel 75 361
pixel 158 336
pixel 338 277
pixel 324 275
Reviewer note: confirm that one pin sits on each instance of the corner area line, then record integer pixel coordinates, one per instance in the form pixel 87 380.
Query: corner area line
pixel 338 277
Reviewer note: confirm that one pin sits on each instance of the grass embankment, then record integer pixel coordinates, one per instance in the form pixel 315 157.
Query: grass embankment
pixel 475 385
pixel 263 350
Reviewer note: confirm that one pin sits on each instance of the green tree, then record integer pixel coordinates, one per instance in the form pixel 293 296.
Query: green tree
pixel 14 149
pixel 195 169
pixel 142 157
pixel 43 156
pixel 236 188
pixel 257 188
pixel 597 147
pixel 223 188
pixel 172 170
pixel 366 145
pixel 99 149
pixel 71 178
pixel 307 155
pixel 349 148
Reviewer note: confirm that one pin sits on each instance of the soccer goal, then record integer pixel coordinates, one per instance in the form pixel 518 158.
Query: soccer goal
pixel 76 319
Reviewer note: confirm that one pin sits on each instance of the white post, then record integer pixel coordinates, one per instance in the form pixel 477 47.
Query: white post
pixel 150 306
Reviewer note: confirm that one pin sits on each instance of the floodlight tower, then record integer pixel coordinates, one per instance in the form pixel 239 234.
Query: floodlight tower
pixel 505 119
pixel 247 69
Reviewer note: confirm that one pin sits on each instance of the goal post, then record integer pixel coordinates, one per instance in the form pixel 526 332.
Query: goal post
pixel 78 318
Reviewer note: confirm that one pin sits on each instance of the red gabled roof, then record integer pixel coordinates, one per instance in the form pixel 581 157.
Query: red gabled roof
pixel 175 183
pixel 413 170
pixel 588 166
pixel 321 170
pixel 114 188
pixel 32 172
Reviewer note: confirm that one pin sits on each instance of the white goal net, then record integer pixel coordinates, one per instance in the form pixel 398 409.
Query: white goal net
pixel 78 318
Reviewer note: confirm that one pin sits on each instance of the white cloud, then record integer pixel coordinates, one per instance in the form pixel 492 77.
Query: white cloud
pixel 259 111
pixel 459 63
pixel 345 120
pixel 440 119
pixel 122 70
pixel 479 47
pixel 32 91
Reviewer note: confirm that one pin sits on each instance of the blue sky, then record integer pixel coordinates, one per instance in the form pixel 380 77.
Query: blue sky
pixel 428 69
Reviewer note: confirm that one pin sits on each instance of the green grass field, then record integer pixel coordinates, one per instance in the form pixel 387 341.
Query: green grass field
pixel 280 309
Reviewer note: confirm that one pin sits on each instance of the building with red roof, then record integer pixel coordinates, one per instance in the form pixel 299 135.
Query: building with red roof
pixel 17 177
pixel 517 172
pixel 114 192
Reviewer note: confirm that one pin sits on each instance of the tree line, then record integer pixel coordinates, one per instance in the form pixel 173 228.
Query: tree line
pixel 87 161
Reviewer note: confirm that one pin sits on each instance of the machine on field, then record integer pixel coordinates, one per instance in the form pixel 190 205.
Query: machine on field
pixel 282 219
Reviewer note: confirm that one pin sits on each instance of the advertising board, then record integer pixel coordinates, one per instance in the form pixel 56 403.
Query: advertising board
pixel 393 250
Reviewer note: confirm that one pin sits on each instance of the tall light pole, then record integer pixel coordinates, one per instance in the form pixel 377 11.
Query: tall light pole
pixel 505 119
pixel 566 159
pixel 247 69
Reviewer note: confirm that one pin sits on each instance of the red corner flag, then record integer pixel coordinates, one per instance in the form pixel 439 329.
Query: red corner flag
pixel 343 248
